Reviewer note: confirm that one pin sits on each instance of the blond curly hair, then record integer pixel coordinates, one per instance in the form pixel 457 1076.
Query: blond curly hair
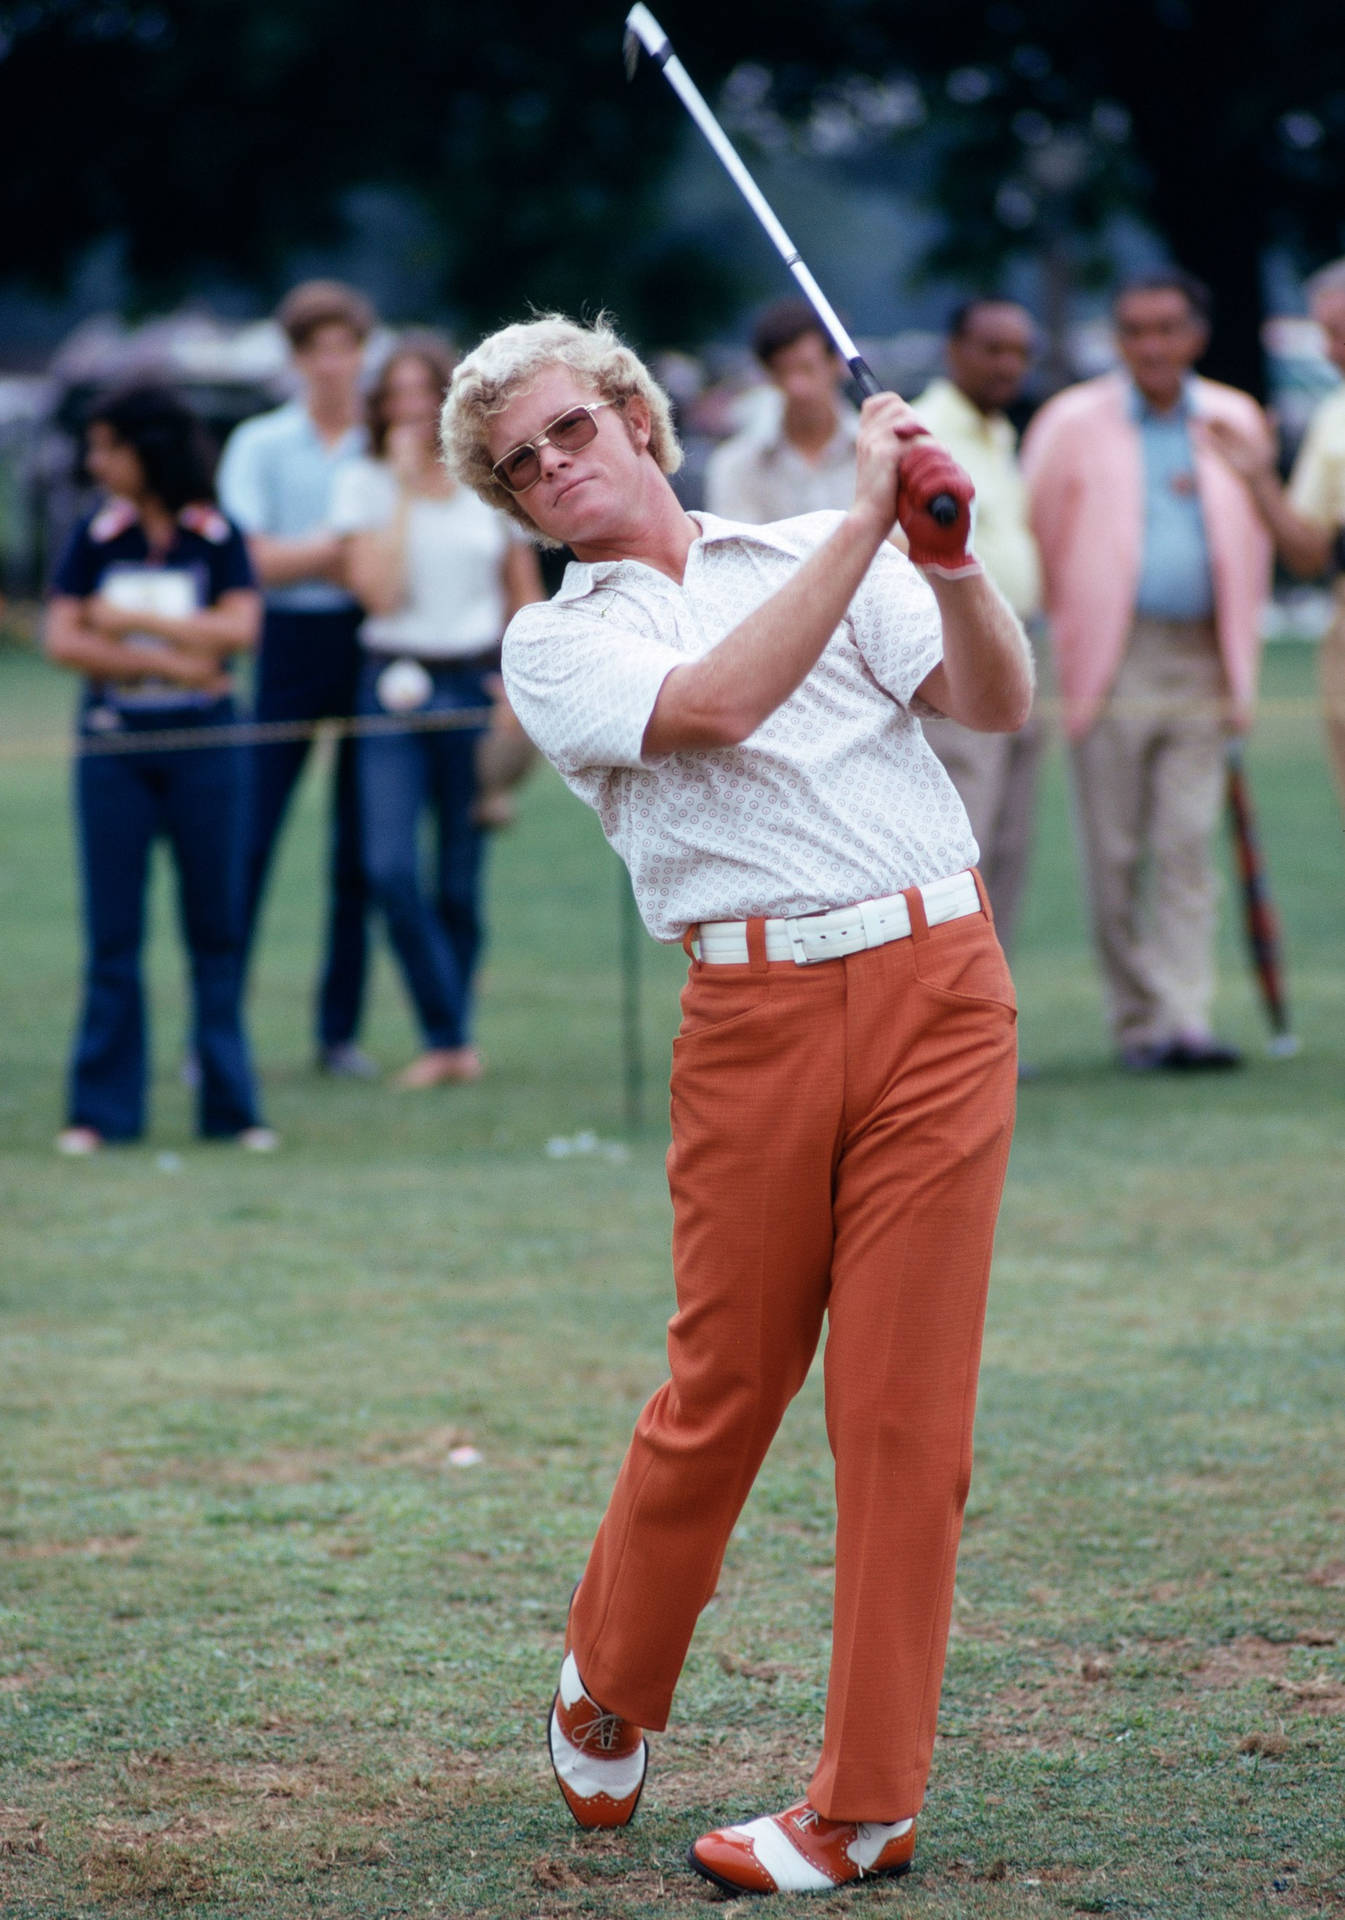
pixel 508 362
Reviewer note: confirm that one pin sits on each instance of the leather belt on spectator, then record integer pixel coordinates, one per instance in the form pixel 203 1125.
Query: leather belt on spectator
pixel 810 937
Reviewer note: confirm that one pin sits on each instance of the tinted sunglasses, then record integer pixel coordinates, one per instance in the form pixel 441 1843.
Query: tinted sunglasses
pixel 521 467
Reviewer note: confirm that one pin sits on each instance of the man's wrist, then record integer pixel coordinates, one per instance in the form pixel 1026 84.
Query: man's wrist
pixel 869 522
pixel 967 568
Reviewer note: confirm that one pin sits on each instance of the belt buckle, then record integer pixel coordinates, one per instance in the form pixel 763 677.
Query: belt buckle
pixel 798 943
pixel 815 943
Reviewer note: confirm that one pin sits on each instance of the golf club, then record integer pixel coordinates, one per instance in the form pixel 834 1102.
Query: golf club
pixel 643 30
pixel 1260 918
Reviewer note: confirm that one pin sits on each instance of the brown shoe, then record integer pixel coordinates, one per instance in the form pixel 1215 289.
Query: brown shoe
pixel 797 1851
pixel 599 1759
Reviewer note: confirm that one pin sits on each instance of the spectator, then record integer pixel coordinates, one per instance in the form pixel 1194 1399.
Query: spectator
pixel 276 479
pixel 989 350
pixel 1155 568
pixel 805 458
pixel 1307 522
pixel 439 575
pixel 152 597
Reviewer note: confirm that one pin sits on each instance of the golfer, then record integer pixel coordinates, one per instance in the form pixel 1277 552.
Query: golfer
pixel 740 706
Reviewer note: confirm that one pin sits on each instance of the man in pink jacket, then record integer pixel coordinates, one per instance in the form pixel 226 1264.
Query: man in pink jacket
pixel 1155 569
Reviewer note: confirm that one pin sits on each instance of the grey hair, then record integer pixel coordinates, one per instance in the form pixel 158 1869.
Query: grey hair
pixel 506 363
pixel 1327 280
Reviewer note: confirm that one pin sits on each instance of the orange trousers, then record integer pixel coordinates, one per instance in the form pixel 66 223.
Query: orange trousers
pixel 839 1139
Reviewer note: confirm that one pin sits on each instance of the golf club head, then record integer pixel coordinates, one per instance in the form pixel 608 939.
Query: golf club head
pixel 642 30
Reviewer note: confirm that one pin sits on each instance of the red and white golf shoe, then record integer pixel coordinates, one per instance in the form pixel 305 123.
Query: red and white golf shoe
pixel 599 1758
pixel 797 1851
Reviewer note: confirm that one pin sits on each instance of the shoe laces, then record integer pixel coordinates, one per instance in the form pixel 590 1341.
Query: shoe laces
pixel 810 1817
pixel 603 1730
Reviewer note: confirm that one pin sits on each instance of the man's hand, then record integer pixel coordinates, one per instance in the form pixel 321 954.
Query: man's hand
pixel 198 671
pixel 113 622
pixel 1250 453
pixel 926 472
pixel 1304 545
pixel 406 454
pixel 888 429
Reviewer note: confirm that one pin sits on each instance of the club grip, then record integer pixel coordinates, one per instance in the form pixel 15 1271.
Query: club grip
pixel 942 509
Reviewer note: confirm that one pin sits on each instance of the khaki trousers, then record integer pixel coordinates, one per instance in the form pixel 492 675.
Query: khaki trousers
pixel 996 778
pixel 840 1134
pixel 1331 673
pixel 1149 782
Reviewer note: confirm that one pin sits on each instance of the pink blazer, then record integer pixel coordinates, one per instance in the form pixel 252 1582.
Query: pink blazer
pixel 1082 463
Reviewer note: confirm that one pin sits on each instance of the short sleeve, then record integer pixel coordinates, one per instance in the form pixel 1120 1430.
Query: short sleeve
pixel 231 568
pixel 1317 484
pixel 364 496
pixel 896 625
pixel 582 688
pixel 79 568
pixel 241 482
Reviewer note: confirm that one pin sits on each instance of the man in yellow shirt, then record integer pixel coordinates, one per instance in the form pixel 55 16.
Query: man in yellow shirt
pixel 988 352
pixel 1307 519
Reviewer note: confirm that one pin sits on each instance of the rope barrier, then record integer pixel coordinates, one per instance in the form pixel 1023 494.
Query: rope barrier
pixel 243 733
pixel 247 733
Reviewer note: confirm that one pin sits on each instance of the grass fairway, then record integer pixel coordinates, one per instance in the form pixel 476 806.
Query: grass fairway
pixel 265 1650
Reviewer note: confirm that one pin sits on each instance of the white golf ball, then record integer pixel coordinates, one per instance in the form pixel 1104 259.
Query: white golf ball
pixel 404 686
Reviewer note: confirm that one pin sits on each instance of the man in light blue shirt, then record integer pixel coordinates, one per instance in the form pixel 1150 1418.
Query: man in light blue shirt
pixel 1175 580
pixel 275 481
pixel 1155 569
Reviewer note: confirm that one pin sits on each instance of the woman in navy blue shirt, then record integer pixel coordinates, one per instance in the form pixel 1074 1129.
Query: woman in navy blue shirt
pixel 153 596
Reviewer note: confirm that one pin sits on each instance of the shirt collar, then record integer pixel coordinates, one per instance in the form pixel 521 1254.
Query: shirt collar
pixel 966 414
pixel 353 440
pixel 1141 411
pixel 114 518
pixel 771 435
pixel 582 576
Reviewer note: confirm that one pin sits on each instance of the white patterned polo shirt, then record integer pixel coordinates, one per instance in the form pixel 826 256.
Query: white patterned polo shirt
pixel 835 798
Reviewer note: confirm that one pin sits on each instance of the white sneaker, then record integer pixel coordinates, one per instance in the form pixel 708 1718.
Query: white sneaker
pixel 258 1140
pixel 77 1143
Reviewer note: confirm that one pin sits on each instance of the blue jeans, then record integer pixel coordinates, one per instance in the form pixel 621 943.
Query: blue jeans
pixel 307 670
pixel 124 801
pixel 436 937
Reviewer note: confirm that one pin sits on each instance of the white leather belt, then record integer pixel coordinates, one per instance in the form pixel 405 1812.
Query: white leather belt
pixel 810 937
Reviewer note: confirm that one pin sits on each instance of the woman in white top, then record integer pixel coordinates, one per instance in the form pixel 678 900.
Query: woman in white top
pixel 439 575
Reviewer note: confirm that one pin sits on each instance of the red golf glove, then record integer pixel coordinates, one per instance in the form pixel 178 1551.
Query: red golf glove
pixel 926 472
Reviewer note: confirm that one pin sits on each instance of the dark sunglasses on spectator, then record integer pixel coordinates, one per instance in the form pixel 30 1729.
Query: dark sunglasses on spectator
pixel 521 467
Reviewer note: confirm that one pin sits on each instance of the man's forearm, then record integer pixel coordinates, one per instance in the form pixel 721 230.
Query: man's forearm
pixel 284 563
pixel 719 700
pixel 1304 545
pixel 986 677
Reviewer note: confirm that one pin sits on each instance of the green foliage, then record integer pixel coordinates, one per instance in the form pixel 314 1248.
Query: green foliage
pixel 265 1650
pixel 219 135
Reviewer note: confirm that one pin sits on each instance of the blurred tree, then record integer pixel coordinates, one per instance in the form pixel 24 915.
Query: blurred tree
pixel 1223 127
pixel 219 135
pixel 224 133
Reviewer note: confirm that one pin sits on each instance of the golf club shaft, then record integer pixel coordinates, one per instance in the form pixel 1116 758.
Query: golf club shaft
pixel 643 30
